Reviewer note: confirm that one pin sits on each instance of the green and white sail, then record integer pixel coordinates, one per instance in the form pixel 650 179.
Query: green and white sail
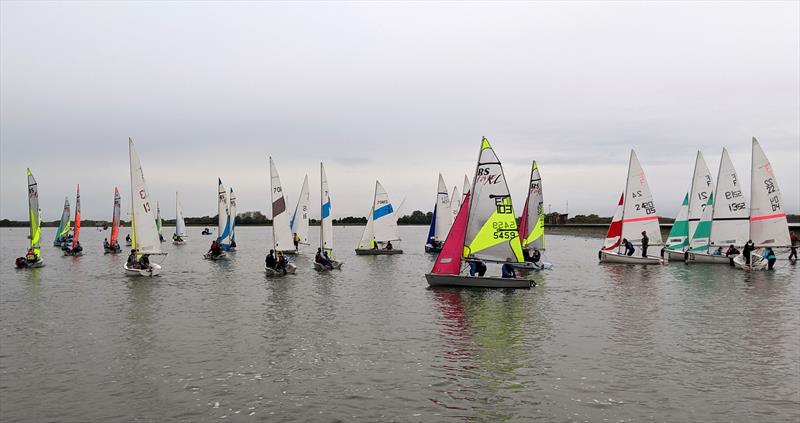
pixel 492 233
pixel 65 223
pixel 702 187
pixel 702 234
pixel 678 238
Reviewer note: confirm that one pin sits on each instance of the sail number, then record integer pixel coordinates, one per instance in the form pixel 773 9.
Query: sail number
pixel 730 195
pixel 774 201
pixel 503 206
pixel 146 204
pixel 277 190
pixel 770 185
pixel 647 206
pixel 32 193
pixel 504 230
pixel 736 206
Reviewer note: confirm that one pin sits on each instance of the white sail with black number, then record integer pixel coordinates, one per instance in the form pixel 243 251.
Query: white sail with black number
pixel 299 221
pixel 281 233
pixel 145 234
pixel 731 220
pixel 639 211
pixel 768 224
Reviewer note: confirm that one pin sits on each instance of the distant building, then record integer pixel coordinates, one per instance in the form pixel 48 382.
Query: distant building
pixel 555 218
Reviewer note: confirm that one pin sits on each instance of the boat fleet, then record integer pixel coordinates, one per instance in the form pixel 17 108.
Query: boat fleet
pixel 469 228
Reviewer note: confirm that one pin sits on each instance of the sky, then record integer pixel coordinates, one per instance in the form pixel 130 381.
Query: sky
pixel 394 91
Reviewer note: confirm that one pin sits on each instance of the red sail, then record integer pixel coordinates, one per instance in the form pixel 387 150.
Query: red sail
pixel 115 218
pixel 613 237
pixel 449 260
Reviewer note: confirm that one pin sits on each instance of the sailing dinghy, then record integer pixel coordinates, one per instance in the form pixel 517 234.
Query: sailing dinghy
pixel 326 225
pixel 485 230
pixel 159 222
pixel 232 245
pixel 298 225
pixel 62 233
pixel 531 224
pixel 730 221
pixel 702 187
pixel 381 227
pixel 441 221
pixel 33 257
pixel 281 232
pixel 180 235
pixel 144 239
pixel 768 224
pixel 75 249
pixel 113 245
pixel 223 224
pixel 635 213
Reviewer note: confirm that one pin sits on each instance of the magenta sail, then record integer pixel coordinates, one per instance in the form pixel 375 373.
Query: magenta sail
pixel 449 260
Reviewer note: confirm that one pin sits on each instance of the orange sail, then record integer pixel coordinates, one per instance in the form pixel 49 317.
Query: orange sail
pixel 115 218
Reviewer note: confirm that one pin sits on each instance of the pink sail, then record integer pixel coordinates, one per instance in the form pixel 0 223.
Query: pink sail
pixel 615 229
pixel 449 260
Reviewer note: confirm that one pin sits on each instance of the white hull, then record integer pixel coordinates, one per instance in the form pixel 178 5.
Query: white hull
pixel 477 281
pixel 221 256
pixel 674 255
pixel 756 262
pixel 34 265
pixel 614 257
pixel 127 243
pixel 708 258
pixel 154 270
pixel 376 252
pixel 178 242
pixel 541 265
pixel 289 252
pixel 290 270
pixel 337 265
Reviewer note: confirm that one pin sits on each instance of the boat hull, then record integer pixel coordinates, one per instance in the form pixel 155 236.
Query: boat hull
pixel 154 270
pixel 38 263
pixel 531 266
pixel 337 265
pixel 756 262
pixel 613 257
pixel 178 242
pixel 674 255
pixel 289 252
pixel 708 258
pixel 477 281
pixel 73 254
pixel 431 249
pixel 374 252
pixel 290 270
pixel 111 251
pixel 221 256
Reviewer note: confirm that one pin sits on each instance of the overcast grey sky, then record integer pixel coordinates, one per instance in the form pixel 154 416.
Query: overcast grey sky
pixel 394 91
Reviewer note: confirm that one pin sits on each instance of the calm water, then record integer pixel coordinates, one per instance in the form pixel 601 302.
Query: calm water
pixel 206 341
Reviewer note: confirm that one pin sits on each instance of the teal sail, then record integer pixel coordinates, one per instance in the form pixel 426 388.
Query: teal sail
pixel 678 238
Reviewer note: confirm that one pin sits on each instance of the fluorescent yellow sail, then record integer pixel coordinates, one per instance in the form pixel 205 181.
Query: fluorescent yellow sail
pixel 499 228
pixel 34 214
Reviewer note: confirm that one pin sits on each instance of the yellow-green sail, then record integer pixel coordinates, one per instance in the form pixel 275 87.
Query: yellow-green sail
pixel 34 214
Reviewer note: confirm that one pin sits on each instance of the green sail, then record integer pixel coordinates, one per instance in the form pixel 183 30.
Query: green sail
pixel 678 238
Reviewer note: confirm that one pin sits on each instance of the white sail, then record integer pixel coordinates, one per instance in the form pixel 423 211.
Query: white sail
pixel 232 214
pixel 299 222
pixel 467 188
pixel 455 204
pixel 444 216
pixel 281 233
pixel 223 213
pixel 145 234
pixel 533 235
pixel 702 187
pixel 180 224
pixel 383 216
pixel 368 237
pixel 492 233
pixel 639 212
pixel 768 224
pixel 731 220
pixel 326 224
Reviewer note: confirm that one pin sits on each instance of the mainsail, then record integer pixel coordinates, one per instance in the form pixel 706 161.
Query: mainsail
pixel 492 233
pixel 223 213
pixel 143 222
pixel 702 187
pixel 455 203
pixel 232 215
pixel 65 223
pixel 678 238
pixel 180 224
pixel 531 225
pixel 467 189
pixel 730 225
pixel 444 217
pixel 34 215
pixel 281 233
pixel 115 218
pixel 158 219
pixel 299 222
pixel 768 224
pixel 639 212
pixel 326 224
pixel 383 216
pixel 76 231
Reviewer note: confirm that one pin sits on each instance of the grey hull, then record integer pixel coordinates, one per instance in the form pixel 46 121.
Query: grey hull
pixel 477 281
pixel 372 252
pixel 708 258
pixel 611 257
pixel 673 255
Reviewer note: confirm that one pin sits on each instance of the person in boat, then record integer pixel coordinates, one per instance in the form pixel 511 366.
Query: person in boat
pixel 144 262
pixel 270 260
pixel 132 263
pixel 732 251
pixel 478 267
pixel 717 252
pixel 206 231
pixel 128 238
pixel 161 237
pixel 215 249
pixel 233 244
pixel 748 248
pixel 770 256
pixel 645 243
pixel 30 256
pixel 323 259
pixel 281 262
pixel 389 245
pixel 374 245
pixel 106 245
pixel 77 248
pixel 629 250
pixel 296 241
pixel 795 242
pixel 507 271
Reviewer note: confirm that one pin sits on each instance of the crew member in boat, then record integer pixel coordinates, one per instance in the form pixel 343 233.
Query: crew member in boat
pixel 106 245
pixel 128 238
pixel 731 253
pixel 794 242
pixel 132 263
pixel 507 271
pixel 769 255
pixel 206 231
pixel 281 262
pixel 296 240
pixel 748 248
pixel 30 256
pixel 215 249
pixel 645 242
pixel 389 245
pixel 717 252
pixel 322 259
pixel 144 262
pixel 270 260
pixel 478 267
pixel 629 250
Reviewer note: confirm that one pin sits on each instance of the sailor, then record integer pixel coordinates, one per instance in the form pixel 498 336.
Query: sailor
pixel 296 240
pixel 645 242
pixel 270 260
pixel 629 250
pixel 389 245
pixel 507 271
pixel 770 256
pixel 322 259
pixel 748 248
